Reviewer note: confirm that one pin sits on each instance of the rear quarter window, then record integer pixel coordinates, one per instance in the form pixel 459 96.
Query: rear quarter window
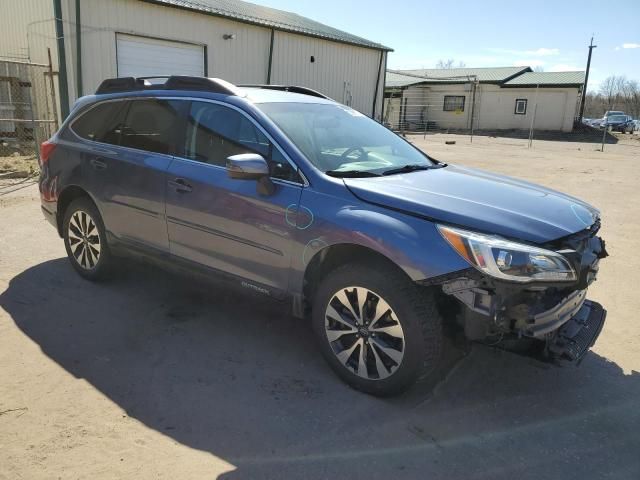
pixel 102 123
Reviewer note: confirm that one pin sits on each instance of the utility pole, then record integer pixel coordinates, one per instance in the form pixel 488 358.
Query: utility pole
pixel 586 80
pixel 533 117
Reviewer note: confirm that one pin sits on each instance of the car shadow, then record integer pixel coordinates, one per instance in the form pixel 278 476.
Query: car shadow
pixel 236 376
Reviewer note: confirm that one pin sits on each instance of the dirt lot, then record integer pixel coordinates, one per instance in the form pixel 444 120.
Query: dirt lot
pixel 17 166
pixel 152 376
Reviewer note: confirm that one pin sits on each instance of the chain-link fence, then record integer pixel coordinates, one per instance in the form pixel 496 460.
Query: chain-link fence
pixel 423 109
pixel 515 116
pixel 28 114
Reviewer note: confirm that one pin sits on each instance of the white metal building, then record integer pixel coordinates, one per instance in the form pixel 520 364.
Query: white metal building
pixel 230 39
pixel 503 98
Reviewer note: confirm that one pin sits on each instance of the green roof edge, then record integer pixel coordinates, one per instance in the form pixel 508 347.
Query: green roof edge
pixel 365 44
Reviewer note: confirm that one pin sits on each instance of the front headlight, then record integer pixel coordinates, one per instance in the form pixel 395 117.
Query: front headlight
pixel 507 260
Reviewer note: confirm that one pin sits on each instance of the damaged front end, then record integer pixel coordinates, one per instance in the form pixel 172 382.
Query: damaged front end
pixel 499 304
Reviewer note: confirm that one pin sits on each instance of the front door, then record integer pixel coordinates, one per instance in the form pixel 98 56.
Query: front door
pixel 225 223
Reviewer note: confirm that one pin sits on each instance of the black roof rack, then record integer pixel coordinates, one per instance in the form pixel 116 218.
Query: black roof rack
pixel 290 88
pixel 125 84
pixel 174 82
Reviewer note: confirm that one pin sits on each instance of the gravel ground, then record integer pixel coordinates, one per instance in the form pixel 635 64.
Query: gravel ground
pixel 17 166
pixel 155 375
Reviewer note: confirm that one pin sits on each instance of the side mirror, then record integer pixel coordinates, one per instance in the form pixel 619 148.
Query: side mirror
pixel 247 166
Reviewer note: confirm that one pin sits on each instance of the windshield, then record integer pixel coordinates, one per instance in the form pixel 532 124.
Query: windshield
pixel 617 118
pixel 338 139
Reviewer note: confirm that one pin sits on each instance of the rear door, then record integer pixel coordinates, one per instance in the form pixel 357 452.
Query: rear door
pixel 126 162
pixel 137 187
pixel 224 223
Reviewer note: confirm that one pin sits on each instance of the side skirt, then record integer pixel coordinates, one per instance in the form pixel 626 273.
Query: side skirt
pixel 154 256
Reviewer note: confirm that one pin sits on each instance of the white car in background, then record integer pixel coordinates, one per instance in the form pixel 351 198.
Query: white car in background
pixel 610 113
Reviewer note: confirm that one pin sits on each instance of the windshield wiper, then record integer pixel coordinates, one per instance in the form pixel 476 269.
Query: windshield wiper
pixel 408 168
pixel 351 173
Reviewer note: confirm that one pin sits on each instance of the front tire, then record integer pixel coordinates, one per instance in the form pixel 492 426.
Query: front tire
pixel 85 240
pixel 377 330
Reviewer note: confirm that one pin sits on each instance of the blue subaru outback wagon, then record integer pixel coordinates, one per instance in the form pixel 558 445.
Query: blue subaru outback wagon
pixel 297 197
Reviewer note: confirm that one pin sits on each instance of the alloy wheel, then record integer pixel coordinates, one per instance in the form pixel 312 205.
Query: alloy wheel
pixel 84 240
pixel 364 333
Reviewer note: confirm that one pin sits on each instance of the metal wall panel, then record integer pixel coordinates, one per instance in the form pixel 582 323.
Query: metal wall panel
pixel 26 30
pixel 242 59
pixel 346 73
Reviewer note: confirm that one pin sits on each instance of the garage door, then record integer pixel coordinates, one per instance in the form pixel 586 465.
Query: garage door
pixel 146 57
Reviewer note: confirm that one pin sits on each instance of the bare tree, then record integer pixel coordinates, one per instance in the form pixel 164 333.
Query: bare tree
pixel 538 69
pixel 594 105
pixel 631 94
pixel 446 64
pixel 611 88
pixel 449 64
pixel 615 93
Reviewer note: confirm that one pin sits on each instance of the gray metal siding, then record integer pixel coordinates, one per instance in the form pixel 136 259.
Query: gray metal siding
pixel 346 73
pixel 26 30
pixel 241 60
pixel 264 16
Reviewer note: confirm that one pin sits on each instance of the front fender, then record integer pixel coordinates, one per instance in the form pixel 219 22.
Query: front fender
pixel 412 243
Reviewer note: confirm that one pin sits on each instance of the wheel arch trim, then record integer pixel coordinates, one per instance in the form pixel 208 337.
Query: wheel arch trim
pixel 330 256
pixel 72 191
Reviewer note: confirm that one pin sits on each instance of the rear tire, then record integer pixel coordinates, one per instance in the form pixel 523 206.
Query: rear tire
pixel 85 240
pixel 387 345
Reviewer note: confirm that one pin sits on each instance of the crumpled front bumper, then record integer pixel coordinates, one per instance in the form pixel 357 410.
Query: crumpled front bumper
pixel 573 340
pixel 567 329
pixel 542 323
pixel 559 315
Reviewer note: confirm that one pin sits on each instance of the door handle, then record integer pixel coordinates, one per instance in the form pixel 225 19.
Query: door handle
pixel 98 164
pixel 180 185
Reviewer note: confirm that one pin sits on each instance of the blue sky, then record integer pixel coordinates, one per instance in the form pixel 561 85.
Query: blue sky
pixel 486 33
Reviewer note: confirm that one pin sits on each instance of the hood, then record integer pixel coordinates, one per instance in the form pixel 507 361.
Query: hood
pixel 479 201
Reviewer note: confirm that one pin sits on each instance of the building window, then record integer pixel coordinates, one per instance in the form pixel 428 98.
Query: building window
pixel 521 106
pixel 453 103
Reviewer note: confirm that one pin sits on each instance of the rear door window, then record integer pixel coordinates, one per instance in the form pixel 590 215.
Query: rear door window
pixel 151 125
pixel 102 123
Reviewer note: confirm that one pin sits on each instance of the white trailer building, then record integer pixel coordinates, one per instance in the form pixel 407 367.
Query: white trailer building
pixel 238 41
pixel 504 98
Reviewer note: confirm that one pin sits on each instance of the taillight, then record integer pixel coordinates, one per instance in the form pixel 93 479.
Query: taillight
pixel 46 149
